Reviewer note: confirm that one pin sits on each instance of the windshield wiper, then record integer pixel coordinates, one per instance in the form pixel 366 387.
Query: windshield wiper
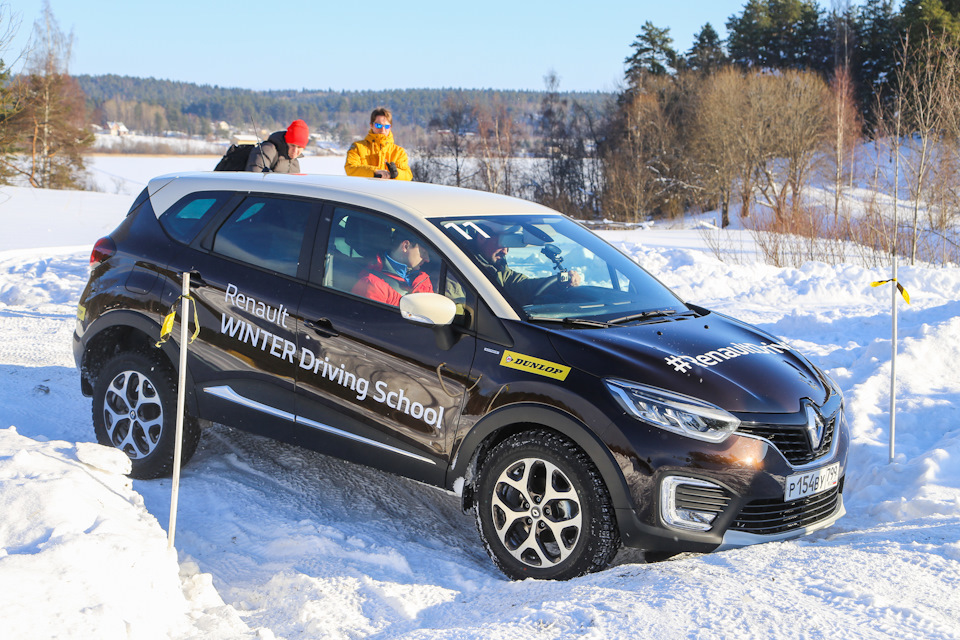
pixel 646 315
pixel 579 322
pixel 587 322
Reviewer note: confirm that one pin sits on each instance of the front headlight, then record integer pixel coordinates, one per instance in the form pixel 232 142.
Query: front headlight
pixel 673 411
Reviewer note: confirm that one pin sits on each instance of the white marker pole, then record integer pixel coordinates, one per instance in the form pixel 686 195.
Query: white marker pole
pixel 893 292
pixel 893 359
pixel 181 402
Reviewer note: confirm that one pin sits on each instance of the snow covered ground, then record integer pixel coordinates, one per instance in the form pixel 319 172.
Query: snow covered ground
pixel 173 144
pixel 278 542
pixel 113 173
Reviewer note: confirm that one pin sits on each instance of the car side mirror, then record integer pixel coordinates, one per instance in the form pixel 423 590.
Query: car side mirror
pixel 428 309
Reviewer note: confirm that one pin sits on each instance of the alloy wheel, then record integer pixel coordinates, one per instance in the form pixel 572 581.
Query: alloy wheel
pixel 536 512
pixel 133 414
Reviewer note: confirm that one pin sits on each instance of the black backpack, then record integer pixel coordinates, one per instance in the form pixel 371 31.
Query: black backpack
pixel 235 159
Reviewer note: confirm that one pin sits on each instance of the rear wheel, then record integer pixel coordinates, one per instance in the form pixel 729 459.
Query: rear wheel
pixel 543 510
pixel 135 410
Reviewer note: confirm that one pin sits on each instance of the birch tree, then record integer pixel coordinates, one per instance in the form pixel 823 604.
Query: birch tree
pixel 53 119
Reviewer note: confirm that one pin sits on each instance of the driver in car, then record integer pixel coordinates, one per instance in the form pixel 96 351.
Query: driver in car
pixel 492 259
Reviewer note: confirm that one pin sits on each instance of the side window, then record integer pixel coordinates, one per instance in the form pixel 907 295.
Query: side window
pixel 266 232
pixel 378 259
pixel 356 238
pixel 185 219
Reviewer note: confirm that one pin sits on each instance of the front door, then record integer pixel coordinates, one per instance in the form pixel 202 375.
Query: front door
pixel 373 387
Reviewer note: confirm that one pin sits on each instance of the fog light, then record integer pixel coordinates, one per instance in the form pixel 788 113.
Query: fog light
pixel 690 503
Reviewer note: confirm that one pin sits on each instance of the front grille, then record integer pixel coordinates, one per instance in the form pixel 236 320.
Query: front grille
pixel 696 498
pixel 765 517
pixel 792 440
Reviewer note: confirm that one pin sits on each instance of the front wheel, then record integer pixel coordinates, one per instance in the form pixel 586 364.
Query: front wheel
pixel 543 510
pixel 135 410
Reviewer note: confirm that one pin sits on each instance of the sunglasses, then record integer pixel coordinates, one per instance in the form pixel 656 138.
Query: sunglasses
pixel 377 125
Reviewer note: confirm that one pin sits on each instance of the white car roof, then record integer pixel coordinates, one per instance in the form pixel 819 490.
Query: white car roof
pixel 409 202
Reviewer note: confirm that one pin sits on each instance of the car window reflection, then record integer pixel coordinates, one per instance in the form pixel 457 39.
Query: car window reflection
pixel 266 232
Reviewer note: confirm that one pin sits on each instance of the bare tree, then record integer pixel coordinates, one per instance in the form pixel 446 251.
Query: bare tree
pixel 888 116
pixel 714 138
pixel 786 123
pixel 647 170
pixel 632 185
pixel 949 219
pixel 11 99
pixel 495 147
pixel 926 79
pixel 53 119
pixel 454 128
pixel 561 179
pixel 846 128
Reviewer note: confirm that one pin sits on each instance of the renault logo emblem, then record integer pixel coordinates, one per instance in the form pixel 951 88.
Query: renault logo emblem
pixel 815 427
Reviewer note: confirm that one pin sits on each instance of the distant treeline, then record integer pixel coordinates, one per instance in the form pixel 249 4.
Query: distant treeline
pixel 747 125
pixel 154 106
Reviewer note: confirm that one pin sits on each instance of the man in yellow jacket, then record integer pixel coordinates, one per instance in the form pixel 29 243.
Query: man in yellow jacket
pixel 377 156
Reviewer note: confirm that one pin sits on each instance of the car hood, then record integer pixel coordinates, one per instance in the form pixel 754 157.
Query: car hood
pixel 723 361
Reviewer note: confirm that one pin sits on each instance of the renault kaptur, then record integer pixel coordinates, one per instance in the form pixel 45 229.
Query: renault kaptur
pixel 483 344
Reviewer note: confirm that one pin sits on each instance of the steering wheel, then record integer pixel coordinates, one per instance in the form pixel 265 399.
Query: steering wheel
pixel 547 283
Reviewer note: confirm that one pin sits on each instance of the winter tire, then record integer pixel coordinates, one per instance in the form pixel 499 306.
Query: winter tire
pixel 135 410
pixel 543 510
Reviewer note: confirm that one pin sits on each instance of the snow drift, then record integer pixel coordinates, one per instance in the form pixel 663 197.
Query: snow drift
pixel 276 541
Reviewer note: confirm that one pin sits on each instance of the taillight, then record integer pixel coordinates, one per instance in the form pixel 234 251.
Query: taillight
pixel 104 248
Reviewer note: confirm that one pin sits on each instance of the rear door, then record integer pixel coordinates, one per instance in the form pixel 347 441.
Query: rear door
pixel 248 272
pixel 372 387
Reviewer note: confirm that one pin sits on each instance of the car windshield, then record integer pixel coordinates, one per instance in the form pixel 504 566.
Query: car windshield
pixel 552 269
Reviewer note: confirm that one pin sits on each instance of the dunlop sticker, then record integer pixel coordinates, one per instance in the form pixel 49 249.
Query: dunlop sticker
pixel 515 360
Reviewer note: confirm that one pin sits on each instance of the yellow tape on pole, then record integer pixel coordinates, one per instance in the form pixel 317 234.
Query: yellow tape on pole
pixel 166 328
pixel 903 292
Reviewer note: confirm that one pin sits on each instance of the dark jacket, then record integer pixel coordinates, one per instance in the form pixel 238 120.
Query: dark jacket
pixel 515 285
pixel 273 156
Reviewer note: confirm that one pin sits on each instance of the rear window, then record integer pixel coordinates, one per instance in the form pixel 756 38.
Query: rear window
pixel 266 232
pixel 184 220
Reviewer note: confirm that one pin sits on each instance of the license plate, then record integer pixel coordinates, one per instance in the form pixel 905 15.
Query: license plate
pixel 811 483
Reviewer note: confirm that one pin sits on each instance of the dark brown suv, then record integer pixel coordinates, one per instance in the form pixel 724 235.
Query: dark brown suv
pixel 482 344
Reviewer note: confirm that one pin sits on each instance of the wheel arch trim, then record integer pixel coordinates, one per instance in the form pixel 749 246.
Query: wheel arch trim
pixel 502 422
pixel 131 320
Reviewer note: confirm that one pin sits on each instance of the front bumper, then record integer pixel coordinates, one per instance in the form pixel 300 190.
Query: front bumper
pixel 742 521
pixel 734 539
pixel 728 495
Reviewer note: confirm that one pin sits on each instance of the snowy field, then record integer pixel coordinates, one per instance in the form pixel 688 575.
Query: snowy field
pixel 278 542
pixel 119 174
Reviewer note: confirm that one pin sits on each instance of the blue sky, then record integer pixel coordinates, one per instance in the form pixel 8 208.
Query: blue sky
pixel 316 44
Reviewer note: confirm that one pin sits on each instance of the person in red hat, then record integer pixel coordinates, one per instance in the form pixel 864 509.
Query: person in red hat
pixel 280 151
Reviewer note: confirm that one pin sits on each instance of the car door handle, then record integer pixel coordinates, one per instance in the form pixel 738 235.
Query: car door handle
pixel 323 326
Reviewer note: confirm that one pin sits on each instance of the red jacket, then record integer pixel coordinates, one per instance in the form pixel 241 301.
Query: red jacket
pixel 373 284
